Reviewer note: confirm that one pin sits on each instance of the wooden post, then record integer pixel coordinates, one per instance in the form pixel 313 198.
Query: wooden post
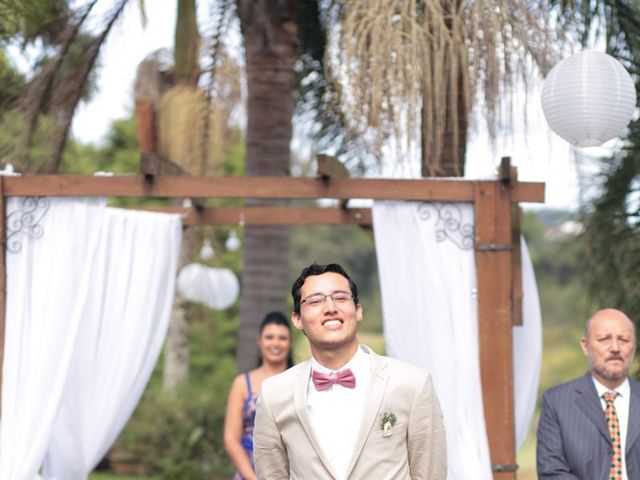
pixel 493 245
pixel 509 175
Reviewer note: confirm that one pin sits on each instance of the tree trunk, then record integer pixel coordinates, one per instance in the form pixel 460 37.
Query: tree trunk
pixel 187 40
pixel 177 353
pixel 454 141
pixel 175 369
pixel 454 145
pixel 269 32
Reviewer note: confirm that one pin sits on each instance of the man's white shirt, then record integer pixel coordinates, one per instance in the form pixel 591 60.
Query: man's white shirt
pixel 622 411
pixel 336 413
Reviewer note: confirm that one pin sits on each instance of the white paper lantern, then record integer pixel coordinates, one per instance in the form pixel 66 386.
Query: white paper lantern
pixel 588 98
pixel 216 288
pixel 233 243
pixel 206 251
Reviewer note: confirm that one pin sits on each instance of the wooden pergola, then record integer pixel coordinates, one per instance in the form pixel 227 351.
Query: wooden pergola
pixel 497 252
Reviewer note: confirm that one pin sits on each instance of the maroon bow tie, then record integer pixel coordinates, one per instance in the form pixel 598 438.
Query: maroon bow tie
pixel 322 381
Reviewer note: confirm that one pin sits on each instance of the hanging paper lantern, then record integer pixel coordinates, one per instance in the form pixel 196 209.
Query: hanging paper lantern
pixel 588 98
pixel 233 243
pixel 217 288
pixel 206 251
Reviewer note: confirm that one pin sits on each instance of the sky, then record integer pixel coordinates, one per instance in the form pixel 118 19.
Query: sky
pixel 126 46
pixel 540 155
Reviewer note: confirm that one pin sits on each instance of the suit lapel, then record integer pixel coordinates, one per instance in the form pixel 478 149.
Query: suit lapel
pixel 633 430
pixel 587 400
pixel 300 401
pixel 377 389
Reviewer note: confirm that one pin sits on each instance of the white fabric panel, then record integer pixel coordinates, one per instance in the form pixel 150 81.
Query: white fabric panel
pixel 428 285
pixel 427 276
pixel 47 282
pixel 125 322
pixel 527 349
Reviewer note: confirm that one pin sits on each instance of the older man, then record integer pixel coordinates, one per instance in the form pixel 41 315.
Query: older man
pixel 589 427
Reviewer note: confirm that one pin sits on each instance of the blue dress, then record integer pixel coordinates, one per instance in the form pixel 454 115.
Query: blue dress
pixel 248 419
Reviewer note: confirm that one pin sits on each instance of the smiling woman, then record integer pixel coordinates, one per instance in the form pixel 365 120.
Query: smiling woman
pixel 274 343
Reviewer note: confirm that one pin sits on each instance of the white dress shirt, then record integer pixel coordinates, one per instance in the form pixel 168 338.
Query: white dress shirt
pixel 336 413
pixel 622 411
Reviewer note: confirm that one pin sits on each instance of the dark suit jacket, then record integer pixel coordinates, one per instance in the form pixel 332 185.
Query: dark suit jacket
pixel 573 438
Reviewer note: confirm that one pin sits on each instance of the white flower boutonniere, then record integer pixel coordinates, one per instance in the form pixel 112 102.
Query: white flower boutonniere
pixel 389 419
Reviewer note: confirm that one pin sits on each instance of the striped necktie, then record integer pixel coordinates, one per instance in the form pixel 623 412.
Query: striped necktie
pixel 615 472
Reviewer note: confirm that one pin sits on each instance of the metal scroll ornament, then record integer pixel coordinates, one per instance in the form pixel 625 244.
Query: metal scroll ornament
pixel 25 220
pixel 449 224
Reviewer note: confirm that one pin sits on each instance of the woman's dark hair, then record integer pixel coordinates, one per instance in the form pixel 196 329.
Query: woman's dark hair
pixel 276 318
pixel 317 269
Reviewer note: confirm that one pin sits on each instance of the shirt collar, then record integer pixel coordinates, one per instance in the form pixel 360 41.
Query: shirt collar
pixel 622 389
pixel 359 361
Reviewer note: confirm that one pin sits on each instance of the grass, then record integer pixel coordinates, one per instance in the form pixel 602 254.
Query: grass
pixel 526 457
pixel 111 476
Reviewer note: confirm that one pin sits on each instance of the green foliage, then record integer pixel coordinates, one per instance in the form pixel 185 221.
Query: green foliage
pixel 543 252
pixel 564 299
pixel 108 476
pixel 76 55
pixel 119 154
pixel 613 236
pixel 178 434
pixel 234 164
pixel 12 82
pixel 28 20
pixel 12 129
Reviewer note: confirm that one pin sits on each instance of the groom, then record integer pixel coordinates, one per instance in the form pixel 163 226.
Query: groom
pixel 346 413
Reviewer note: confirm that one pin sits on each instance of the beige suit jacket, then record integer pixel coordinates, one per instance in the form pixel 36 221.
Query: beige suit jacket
pixel 285 446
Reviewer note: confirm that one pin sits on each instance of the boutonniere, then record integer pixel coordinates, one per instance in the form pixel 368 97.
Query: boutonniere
pixel 389 419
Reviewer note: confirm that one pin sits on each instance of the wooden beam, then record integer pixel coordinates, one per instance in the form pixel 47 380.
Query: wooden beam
pixel 442 190
pixel 270 215
pixel 493 245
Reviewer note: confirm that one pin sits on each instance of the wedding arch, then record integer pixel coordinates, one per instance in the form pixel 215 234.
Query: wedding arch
pixel 496 244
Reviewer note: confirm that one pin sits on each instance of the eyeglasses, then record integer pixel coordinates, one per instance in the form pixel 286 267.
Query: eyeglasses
pixel 318 299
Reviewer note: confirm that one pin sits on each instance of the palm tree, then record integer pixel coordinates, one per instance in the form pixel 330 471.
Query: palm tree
pixel 269 31
pixel 414 69
pixel 47 105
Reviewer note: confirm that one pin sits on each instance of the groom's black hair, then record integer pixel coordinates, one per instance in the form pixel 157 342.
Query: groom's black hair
pixel 317 269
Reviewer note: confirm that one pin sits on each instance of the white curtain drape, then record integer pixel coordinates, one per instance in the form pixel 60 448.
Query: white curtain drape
pixel 527 349
pixel 129 306
pixel 427 274
pixel 46 284
pixel 89 291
